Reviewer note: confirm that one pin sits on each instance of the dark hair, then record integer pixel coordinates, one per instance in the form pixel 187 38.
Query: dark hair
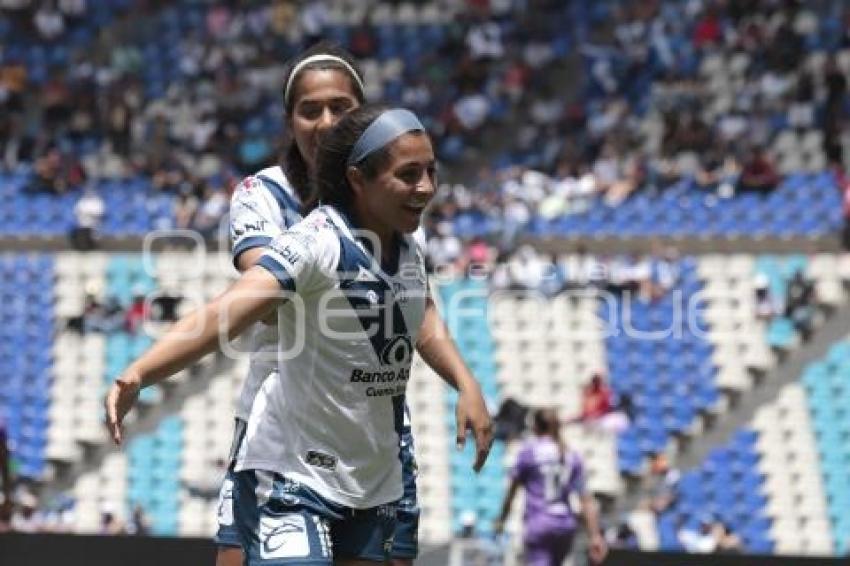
pixel 293 163
pixel 546 423
pixel 331 182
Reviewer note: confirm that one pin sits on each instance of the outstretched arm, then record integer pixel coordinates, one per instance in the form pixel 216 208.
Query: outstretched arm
pixel 439 351
pixel 191 338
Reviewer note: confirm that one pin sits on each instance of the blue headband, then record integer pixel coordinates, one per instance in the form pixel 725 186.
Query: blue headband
pixel 386 127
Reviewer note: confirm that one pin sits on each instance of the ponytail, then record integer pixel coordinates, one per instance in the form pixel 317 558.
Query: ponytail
pixel 546 423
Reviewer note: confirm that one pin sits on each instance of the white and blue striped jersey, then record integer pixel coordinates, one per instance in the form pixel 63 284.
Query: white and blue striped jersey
pixel 262 207
pixel 332 416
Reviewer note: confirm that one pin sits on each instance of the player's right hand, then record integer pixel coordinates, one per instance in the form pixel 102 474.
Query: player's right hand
pixel 120 399
pixel 471 413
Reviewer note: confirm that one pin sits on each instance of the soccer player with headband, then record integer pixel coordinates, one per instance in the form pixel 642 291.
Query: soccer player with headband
pixel 319 474
pixel 322 84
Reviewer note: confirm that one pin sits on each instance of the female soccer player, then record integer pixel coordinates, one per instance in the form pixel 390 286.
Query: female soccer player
pixel 321 85
pixel 319 469
pixel 550 473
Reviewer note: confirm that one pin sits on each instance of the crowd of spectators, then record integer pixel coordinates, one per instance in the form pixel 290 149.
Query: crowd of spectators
pixel 695 90
pixel 699 90
pixel 646 277
pixel 106 315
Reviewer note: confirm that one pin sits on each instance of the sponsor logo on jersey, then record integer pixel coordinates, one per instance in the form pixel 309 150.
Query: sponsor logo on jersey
pixel 398 351
pixel 392 391
pixel 380 376
pixel 289 252
pixel 258 226
pixel 320 460
pixel 283 536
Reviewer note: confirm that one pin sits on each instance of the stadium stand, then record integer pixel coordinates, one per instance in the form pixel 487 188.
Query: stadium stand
pixel 26 287
pixel 582 120
pixel 727 487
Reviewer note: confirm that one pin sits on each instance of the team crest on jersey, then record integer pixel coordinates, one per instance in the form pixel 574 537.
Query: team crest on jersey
pixel 397 351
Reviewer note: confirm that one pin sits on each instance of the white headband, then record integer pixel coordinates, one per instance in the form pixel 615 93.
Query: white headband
pixel 318 59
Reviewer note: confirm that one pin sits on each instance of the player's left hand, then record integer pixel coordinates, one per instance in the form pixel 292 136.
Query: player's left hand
pixel 120 399
pixel 472 414
pixel 598 549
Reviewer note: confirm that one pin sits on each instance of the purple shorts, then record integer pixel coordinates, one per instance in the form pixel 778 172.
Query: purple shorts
pixel 548 548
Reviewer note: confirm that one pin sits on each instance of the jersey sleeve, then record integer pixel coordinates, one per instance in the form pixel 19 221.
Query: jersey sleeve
pixel 303 259
pixel 254 217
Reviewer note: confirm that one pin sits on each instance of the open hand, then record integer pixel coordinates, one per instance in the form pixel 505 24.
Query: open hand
pixel 120 399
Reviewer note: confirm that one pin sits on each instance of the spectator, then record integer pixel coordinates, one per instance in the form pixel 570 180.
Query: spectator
pixel 137 313
pixel 623 536
pixel 700 541
pixel 527 269
pixel 91 309
pixel 509 423
pixel 727 541
pixel 765 304
pixel 758 173
pixel 664 484
pixel 597 407
pixel 584 269
pixel 711 537
pixel 27 519
pixel 665 272
pixel 185 207
pixel 97 316
pixel 139 523
pixel 109 523
pixel 631 274
pixel 89 212
pixel 515 217
pixel 719 173
pixel 800 303
pixel 210 212
pixel 49 21
pixel 165 306
pixel 445 249
pixel 314 18
pixel 364 42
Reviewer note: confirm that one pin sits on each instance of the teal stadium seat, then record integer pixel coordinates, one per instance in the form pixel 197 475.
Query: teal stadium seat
pixel 827 384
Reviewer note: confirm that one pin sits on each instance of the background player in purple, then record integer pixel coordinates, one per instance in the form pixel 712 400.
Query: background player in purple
pixel 550 473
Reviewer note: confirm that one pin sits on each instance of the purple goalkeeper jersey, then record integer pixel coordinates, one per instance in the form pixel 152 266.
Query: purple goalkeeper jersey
pixel 548 479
